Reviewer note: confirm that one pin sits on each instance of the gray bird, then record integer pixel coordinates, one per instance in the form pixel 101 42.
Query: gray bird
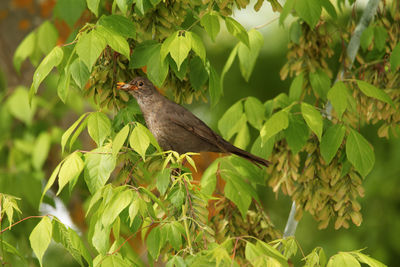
pixel 176 128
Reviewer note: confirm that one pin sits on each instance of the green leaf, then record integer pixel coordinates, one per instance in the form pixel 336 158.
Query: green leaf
pixel 209 179
pixel 210 22
pixel 263 150
pixel 197 73
pixel 197 45
pixel 142 53
pixel 234 192
pixel 367 259
pixel 380 36
pixel 142 6
pixel 153 242
pixel 254 112
pixel 338 96
pixel 152 139
pixel 63 84
pixel 69 10
pixel 286 10
pixel 139 141
pixel 18 105
pixel 99 164
pixel 79 73
pixel 113 260
pixel 360 153
pixel 320 83
pixel 155 2
pixel 99 127
pixel 296 88
pixel 177 197
pixel 162 181
pixel 214 86
pixel 313 119
pixel 395 58
pixel 273 253
pixel 278 122
pixel 115 206
pixel 51 181
pixel 24 50
pixel 295 32
pixel 243 137
pixel 122 5
pixel 331 142
pixel 228 64
pixel 309 10
pixel 327 5
pixel 237 30
pixel 372 91
pixel 70 240
pixel 180 47
pixel 157 68
pixel 296 133
pixel 174 235
pixel 117 42
pixel 119 140
pixel 49 62
pixel 119 24
pixel 65 137
pixel 165 47
pixel 40 237
pixel 180 74
pixel 47 37
pixel 226 125
pixel 248 54
pixel 93 5
pixel 72 167
pixel 41 150
pixel 89 47
pixel 367 37
pixel 343 259
pixel 11 249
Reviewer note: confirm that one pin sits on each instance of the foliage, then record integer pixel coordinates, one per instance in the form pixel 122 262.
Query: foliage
pixel 310 135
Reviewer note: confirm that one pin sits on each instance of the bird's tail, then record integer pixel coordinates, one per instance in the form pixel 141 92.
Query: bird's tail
pixel 244 154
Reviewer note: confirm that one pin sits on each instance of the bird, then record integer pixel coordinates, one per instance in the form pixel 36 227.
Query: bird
pixel 176 128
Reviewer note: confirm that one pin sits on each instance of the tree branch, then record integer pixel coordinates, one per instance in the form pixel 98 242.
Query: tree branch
pixel 352 49
pixel 291 223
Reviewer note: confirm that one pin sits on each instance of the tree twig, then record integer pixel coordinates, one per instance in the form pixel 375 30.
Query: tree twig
pixel 291 224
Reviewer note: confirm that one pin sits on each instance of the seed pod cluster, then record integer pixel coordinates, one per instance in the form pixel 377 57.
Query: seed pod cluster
pixel 159 22
pixel 327 192
pixel 109 69
pixel 310 53
pixel 225 7
pixel 378 73
pixel 228 222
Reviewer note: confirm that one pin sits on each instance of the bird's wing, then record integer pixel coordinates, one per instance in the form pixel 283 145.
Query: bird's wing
pixel 188 121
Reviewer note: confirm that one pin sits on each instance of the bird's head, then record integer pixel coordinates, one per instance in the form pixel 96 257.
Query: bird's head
pixel 138 87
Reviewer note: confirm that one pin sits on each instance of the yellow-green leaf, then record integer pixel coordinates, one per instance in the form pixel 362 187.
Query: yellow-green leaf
pixel 40 237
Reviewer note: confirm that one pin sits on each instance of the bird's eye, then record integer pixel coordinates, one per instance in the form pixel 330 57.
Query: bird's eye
pixel 140 83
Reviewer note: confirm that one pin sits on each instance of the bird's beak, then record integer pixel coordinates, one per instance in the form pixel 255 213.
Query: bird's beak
pixel 126 86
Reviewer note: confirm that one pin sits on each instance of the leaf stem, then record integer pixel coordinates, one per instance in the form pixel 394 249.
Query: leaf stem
pixel 187 229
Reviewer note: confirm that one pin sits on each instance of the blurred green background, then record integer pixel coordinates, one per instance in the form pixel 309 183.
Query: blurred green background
pixel 379 233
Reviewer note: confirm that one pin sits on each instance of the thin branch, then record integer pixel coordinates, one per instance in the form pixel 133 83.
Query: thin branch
pixel 291 225
pixel 266 23
pixel 234 250
pixel 24 219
